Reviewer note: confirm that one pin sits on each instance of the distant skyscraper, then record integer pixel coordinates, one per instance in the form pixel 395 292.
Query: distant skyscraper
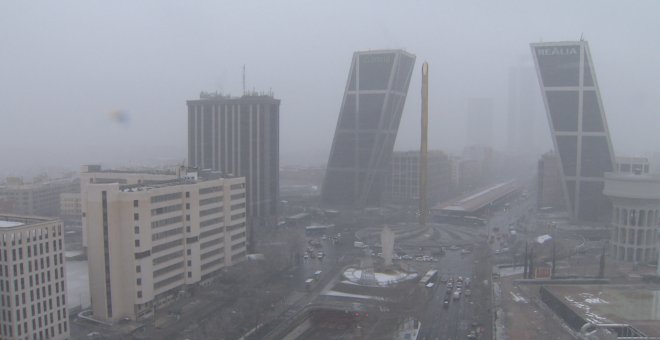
pixel 240 136
pixel 480 121
pixel 34 295
pixel 578 125
pixel 524 108
pixel 366 130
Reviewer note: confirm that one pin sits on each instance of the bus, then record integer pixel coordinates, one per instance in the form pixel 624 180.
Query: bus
pixel 429 277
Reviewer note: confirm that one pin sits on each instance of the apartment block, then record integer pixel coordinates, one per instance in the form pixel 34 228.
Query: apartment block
pixel 32 279
pixel 149 242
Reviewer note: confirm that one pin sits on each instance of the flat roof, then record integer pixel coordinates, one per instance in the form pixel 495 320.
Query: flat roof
pixel 636 305
pixel 477 200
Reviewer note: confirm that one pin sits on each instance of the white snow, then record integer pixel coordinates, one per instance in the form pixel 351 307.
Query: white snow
pixel 357 296
pixel 382 279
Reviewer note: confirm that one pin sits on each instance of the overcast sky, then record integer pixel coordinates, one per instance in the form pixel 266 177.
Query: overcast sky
pixel 65 65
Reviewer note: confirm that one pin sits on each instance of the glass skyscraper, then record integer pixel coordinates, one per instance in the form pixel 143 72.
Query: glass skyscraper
pixel 366 131
pixel 577 124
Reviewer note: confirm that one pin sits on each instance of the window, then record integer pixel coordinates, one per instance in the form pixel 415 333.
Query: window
pixel 138 281
pixel 137 243
pixel 139 294
pixel 138 269
pixel 136 216
pixel 136 230
pixel 135 203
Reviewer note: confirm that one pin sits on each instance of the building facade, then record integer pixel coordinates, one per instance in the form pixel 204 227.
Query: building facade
pixel 70 207
pixel 240 136
pixel 635 165
pixel 366 130
pixel 578 125
pixel 149 242
pixel 32 279
pixel 36 198
pixel 402 184
pixel 95 174
pixel 549 182
pixel 635 216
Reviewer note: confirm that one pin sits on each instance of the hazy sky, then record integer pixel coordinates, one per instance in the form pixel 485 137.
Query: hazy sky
pixel 66 65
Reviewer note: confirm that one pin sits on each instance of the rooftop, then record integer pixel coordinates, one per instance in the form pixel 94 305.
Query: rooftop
pixel 475 201
pixel 638 306
pixel 14 221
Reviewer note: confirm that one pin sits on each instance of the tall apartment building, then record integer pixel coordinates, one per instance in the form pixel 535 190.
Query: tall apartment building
pixel 149 241
pixel 402 184
pixel 240 136
pixel 578 125
pixel 366 130
pixel 32 279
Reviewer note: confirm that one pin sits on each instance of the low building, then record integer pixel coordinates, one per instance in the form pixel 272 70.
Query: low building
pixel 149 242
pixel 34 294
pixel 637 165
pixel 635 215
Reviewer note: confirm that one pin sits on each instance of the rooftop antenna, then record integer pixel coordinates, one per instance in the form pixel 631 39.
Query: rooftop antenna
pixel 243 79
pixel 582 36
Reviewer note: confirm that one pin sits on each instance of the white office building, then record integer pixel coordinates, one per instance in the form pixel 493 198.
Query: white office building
pixel 32 280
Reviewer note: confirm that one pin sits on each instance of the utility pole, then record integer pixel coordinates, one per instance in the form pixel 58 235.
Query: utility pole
pixel 554 257
pixel 525 262
pixel 423 157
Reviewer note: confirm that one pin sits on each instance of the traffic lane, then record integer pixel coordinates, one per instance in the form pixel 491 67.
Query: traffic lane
pixel 448 323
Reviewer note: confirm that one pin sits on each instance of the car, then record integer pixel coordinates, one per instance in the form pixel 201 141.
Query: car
pixel 459 284
pixel 450 285
pixel 445 303
pixel 306 256
pixel 453 247
pixel 465 251
pixel 468 292
pixel 456 296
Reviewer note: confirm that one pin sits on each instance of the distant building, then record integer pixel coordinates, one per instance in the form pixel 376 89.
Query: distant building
pixel 480 122
pixel 34 294
pixel 636 214
pixel 366 130
pixel 39 198
pixel 549 182
pixel 70 207
pixel 240 136
pixel 149 242
pixel 578 125
pixel 402 184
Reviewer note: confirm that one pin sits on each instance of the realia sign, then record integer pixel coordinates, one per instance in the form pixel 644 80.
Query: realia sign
pixel 558 50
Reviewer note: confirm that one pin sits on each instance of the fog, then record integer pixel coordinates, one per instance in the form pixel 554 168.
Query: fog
pixel 67 65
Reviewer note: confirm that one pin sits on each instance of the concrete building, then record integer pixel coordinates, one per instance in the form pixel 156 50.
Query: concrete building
pixel 577 124
pixel 39 198
pixel 149 242
pixel 635 215
pixel 70 207
pixel 402 184
pixel 549 182
pixel 366 130
pixel 95 174
pixel 240 136
pixel 32 269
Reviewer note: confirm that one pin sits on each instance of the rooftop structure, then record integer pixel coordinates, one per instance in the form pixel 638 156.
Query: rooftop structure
pixel 366 130
pixel 577 123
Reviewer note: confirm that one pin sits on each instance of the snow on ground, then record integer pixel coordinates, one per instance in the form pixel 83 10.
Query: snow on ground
pixel 510 271
pixel 382 279
pixel 72 253
pixel 356 296
pixel 77 281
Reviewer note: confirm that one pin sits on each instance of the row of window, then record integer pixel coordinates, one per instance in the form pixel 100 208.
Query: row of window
pixel 17 253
